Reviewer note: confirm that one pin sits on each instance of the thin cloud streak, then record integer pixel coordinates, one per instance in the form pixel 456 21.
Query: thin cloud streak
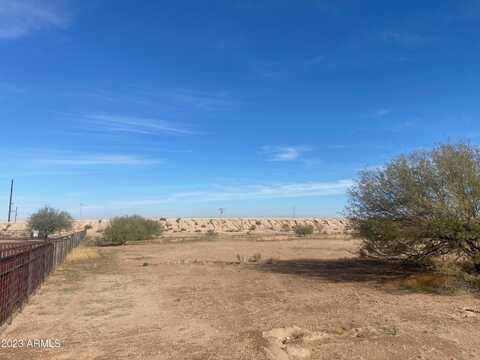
pixel 136 125
pixel 245 192
pixel 380 113
pixel 284 153
pixel 20 17
pixel 94 160
pixel 209 101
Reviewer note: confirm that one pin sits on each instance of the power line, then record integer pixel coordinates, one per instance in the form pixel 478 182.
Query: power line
pixel 10 203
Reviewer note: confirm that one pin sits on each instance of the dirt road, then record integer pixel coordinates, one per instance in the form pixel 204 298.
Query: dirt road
pixel 195 301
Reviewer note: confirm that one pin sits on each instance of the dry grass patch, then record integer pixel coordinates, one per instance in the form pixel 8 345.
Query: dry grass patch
pixel 431 282
pixel 83 254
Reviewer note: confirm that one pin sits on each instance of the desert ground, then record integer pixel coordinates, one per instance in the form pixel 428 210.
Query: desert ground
pixel 242 298
pixel 203 225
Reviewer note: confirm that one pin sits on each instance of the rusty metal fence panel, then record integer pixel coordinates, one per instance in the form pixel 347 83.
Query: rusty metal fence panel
pixel 25 265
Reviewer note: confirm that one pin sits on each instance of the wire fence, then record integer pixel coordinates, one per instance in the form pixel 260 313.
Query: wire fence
pixel 25 265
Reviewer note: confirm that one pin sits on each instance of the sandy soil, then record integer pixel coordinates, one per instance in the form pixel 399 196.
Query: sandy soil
pixel 193 300
pixel 203 225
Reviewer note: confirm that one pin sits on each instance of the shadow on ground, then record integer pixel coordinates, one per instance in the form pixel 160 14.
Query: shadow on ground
pixel 342 270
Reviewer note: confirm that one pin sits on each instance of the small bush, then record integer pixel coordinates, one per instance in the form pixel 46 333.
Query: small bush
pixel 258 222
pixel 49 220
pixel 88 227
pixel 256 257
pixel 163 219
pixel 303 230
pixel 129 228
pixel 252 228
pixel 286 227
pixel 211 233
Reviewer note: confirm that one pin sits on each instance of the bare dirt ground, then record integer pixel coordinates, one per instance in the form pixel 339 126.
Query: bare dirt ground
pixel 193 300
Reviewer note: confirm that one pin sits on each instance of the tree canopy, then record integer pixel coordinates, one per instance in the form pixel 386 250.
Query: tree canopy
pixel 423 204
pixel 49 220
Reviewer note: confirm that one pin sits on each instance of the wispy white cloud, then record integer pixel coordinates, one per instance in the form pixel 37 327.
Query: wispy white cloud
pixel 279 69
pixel 172 100
pixel 137 125
pixel 98 159
pixel 245 192
pixel 21 17
pixel 284 153
pixel 380 113
pixel 204 100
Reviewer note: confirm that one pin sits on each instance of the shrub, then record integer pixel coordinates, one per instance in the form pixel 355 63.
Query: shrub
pixel 321 228
pixel 211 233
pixel 252 228
pixel 88 227
pixel 304 230
pixel 256 257
pixel 129 228
pixel 258 223
pixel 286 227
pixel 420 205
pixel 49 220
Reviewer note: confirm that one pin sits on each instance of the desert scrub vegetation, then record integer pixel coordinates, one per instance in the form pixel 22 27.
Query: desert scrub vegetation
pixel 48 221
pixel 211 234
pixel 421 206
pixel 303 230
pixel 132 228
pixel 83 253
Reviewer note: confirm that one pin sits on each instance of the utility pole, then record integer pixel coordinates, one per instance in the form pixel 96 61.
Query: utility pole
pixel 16 213
pixel 10 203
pixel 294 212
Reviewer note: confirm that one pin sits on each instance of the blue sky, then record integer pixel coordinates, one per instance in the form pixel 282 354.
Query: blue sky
pixel 177 108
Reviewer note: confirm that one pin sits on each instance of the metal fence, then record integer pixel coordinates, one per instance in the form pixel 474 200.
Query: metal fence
pixel 25 265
